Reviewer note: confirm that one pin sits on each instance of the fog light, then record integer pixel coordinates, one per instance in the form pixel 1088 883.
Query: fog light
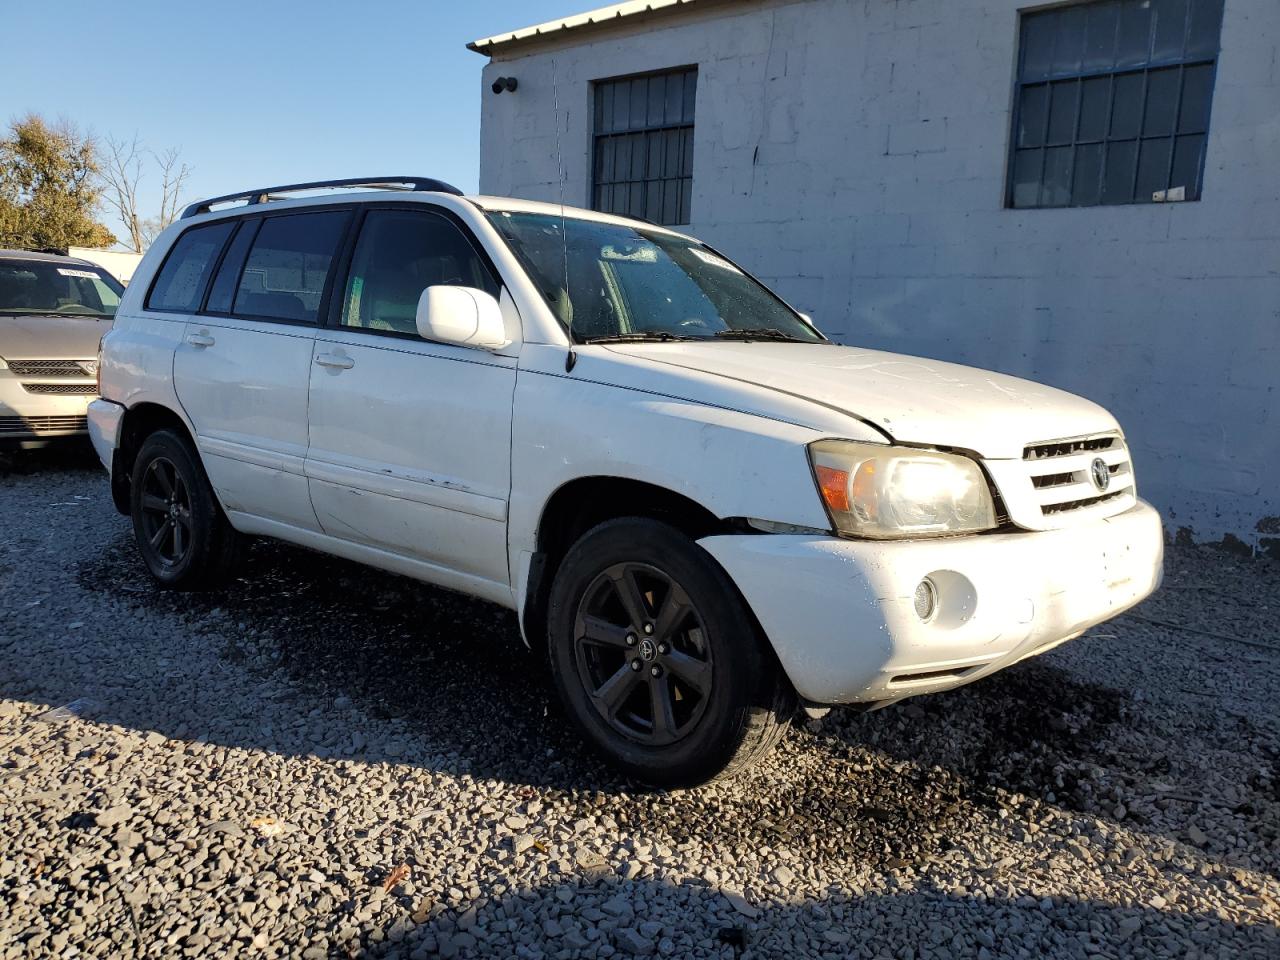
pixel 926 599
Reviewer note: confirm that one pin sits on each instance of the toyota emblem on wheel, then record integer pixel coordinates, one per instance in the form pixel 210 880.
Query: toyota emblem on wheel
pixel 1101 474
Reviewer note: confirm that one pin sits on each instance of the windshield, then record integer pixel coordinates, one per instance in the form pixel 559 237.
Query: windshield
pixel 625 281
pixel 49 287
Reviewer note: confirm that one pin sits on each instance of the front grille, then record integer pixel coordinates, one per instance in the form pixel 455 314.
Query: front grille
pixel 62 389
pixel 1065 448
pixel 47 368
pixel 1052 508
pixel 1062 473
pixel 1052 480
pixel 26 426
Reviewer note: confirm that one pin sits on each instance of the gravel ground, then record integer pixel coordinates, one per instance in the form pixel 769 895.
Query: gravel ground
pixel 324 760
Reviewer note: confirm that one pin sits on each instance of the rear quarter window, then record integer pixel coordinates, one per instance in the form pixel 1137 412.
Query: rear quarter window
pixel 180 285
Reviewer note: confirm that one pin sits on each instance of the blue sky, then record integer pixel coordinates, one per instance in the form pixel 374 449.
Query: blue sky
pixel 256 93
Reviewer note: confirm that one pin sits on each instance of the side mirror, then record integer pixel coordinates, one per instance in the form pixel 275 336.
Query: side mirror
pixel 463 316
pixel 807 318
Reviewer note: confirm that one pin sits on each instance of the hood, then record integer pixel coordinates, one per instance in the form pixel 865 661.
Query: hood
pixel 911 399
pixel 43 337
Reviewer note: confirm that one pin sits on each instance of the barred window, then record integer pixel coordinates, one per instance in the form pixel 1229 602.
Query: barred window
pixel 643 150
pixel 1112 102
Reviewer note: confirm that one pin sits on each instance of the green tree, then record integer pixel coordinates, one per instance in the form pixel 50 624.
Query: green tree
pixel 48 187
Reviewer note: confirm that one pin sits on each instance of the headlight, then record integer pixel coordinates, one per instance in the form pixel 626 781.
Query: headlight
pixel 3 365
pixel 887 493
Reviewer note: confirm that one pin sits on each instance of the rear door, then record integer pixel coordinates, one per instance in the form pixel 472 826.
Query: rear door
pixel 411 440
pixel 242 371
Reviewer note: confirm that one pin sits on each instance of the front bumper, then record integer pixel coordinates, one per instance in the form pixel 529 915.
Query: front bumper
pixel 841 615
pixel 36 416
pixel 105 418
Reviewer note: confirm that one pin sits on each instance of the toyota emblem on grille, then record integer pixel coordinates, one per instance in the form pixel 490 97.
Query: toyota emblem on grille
pixel 1101 474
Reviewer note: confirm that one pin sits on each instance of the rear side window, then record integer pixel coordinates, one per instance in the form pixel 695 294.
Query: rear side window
pixel 180 285
pixel 285 272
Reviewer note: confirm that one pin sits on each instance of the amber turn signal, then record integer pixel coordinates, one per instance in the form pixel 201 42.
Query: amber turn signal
pixel 834 485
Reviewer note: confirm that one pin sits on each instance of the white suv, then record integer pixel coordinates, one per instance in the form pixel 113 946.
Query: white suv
pixel 704 513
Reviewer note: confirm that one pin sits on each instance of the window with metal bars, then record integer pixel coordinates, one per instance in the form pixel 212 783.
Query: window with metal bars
pixel 643 149
pixel 1112 102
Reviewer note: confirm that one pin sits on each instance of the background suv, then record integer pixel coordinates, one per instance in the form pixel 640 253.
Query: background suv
pixel 53 313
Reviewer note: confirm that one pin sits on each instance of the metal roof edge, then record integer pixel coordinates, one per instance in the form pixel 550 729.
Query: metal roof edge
pixel 600 17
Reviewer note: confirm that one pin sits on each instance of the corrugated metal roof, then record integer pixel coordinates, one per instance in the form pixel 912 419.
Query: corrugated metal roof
pixel 604 15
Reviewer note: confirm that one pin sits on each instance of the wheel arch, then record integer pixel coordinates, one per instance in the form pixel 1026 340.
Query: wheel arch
pixel 585 502
pixel 140 421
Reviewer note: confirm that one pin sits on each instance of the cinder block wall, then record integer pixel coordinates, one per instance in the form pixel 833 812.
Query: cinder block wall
pixel 853 154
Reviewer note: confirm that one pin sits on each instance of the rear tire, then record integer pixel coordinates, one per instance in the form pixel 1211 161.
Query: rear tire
pixel 658 660
pixel 182 533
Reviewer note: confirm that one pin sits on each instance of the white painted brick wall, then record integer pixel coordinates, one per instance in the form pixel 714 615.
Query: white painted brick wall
pixel 852 153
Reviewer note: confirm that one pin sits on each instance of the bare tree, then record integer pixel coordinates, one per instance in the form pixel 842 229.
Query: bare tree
pixel 173 177
pixel 121 174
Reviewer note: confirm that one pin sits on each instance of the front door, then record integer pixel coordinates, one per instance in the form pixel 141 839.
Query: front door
pixel 410 440
pixel 243 369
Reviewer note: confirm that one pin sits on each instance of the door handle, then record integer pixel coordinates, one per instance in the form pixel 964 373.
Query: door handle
pixel 334 361
pixel 200 340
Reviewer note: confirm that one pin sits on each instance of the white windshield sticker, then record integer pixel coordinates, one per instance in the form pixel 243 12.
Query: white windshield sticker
pixel 87 274
pixel 712 259
pixel 635 254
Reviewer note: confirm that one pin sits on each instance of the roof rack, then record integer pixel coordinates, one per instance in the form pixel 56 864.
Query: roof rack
pixel 415 184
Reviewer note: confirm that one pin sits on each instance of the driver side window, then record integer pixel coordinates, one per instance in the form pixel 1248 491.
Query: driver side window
pixel 398 255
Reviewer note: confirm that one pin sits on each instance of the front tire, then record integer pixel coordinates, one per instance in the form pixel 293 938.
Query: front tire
pixel 183 535
pixel 657 658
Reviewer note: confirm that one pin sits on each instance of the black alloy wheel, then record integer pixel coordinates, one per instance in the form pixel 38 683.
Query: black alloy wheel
pixel 657 657
pixel 643 654
pixel 184 537
pixel 166 511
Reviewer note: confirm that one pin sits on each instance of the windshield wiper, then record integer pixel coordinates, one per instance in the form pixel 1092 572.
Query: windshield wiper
pixel 758 333
pixel 27 312
pixel 644 336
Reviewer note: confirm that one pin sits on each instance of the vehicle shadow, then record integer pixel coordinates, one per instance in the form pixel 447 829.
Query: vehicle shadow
pixel 451 669
pixel 454 675
pixel 59 455
pixel 688 919
pixel 890 787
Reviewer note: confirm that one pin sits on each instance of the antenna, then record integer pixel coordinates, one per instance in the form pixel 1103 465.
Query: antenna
pixel 572 358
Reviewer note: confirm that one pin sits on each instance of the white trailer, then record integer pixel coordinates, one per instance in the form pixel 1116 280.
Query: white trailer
pixel 119 263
